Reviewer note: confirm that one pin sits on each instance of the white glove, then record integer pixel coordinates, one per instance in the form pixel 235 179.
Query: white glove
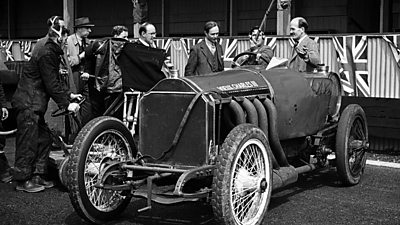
pixel 73 107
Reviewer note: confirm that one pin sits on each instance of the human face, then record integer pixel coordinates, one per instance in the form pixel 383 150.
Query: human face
pixel 149 35
pixel 257 38
pixel 212 34
pixel 295 32
pixel 123 34
pixel 64 40
pixel 61 22
pixel 84 31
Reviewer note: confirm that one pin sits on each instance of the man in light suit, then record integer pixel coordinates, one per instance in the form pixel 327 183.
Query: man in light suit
pixel 305 56
pixel 76 44
pixel 207 56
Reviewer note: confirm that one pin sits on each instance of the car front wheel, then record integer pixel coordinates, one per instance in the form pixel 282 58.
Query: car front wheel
pixel 243 178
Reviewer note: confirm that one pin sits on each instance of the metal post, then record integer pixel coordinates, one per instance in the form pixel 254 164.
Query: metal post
pixel 8 20
pixel 381 16
pixel 283 17
pixel 231 18
pixel 69 13
pixel 162 18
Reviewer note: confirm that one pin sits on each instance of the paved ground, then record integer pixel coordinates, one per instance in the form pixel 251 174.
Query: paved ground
pixel 315 199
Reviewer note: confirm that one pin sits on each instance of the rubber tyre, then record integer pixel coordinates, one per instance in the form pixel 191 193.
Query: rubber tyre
pixel 235 179
pixel 90 133
pixel 352 128
pixel 62 172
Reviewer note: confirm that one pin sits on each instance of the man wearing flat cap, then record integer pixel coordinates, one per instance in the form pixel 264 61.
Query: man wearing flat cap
pixel 77 42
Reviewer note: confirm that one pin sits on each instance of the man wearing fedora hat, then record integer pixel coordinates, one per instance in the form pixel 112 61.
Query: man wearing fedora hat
pixel 77 42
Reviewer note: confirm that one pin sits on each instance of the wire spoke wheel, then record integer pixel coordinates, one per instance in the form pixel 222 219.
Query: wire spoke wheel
pixel 109 145
pixel 102 141
pixel 351 144
pixel 243 181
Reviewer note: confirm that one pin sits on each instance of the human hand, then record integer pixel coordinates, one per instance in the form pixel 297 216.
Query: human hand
pixel 82 55
pixel 302 51
pixel 63 71
pixel 73 96
pixel 4 114
pixel 85 76
pixel 258 57
pixel 73 107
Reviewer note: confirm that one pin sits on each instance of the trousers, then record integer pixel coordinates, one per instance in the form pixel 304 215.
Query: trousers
pixel 32 144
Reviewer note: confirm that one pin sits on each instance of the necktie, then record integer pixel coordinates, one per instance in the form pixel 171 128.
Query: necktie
pixel 212 49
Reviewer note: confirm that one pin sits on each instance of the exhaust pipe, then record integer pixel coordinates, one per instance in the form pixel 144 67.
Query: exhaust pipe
pixel 238 112
pixel 253 117
pixel 273 133
pixel 263 124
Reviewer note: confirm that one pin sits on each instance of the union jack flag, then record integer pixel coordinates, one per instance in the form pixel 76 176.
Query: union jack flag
pixel 352 56
pixel 26 49
pixel 394 42
pixel 164 43
pixel 7 46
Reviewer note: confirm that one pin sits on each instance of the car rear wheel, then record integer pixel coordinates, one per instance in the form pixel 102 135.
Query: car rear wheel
pixel 351 144
pixel 102 140
pixel 243 178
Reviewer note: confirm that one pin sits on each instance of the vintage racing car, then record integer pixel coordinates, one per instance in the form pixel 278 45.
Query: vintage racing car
pixel 231 137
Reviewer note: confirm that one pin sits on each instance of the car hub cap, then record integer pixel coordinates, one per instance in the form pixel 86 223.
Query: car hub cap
pixel 249 182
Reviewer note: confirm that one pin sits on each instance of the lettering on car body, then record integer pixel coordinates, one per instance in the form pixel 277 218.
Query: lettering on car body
pixel 241 85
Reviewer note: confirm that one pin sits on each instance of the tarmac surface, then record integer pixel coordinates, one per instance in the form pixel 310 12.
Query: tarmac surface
pixel 317 198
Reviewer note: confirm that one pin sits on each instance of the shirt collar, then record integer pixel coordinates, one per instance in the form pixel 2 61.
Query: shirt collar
pixel 144 43
pixel 209 43
pixel 147 44
pixel 301 39
pixel 78 39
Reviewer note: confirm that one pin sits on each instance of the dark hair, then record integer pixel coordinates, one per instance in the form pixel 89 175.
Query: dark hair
pixel 117 30
pixel 255 28
pixel 54 20
pixel 209 25
pixel 143 27
pixel 303 23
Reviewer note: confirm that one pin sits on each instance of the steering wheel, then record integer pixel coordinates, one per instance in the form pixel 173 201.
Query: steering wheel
pixel 234 63
pixel 64 111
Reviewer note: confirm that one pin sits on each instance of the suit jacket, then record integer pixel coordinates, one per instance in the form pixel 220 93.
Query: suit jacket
pixel 73 49
pixel 297 63
pixel 200 60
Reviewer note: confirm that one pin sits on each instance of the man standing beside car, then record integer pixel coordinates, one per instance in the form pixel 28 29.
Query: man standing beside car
pixel 305 56
pixel 77 42
pixel 39 82
pixel 207 56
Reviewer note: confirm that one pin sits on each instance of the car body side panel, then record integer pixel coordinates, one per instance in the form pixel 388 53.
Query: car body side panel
pixel 301 111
